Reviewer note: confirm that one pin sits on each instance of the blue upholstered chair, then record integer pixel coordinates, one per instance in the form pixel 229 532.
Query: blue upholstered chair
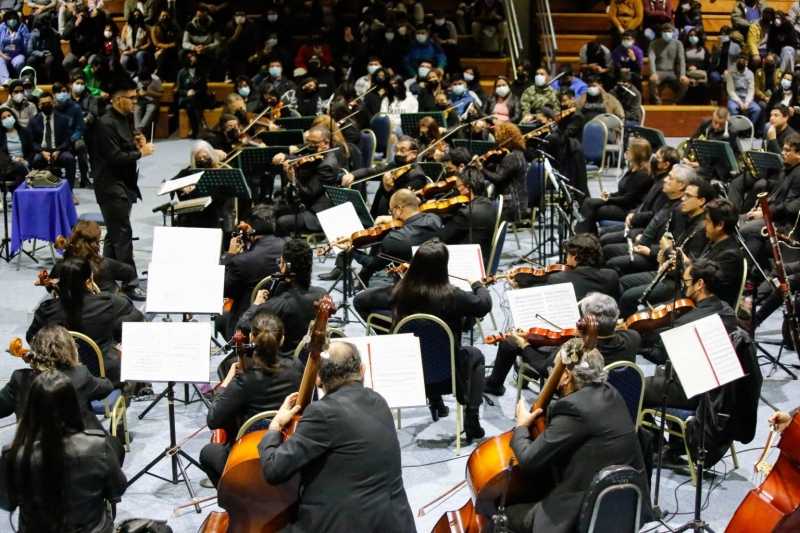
pixel 628 379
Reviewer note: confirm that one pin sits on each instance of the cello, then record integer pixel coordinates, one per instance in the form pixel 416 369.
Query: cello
pixel 488 463
pixel 773 506
pixel 251 504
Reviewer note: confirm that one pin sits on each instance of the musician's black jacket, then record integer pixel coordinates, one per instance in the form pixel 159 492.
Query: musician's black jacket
pixel 482 215
pixel 776 145
pixel 311 179
pixel 572 126
pixel 114 158
pixel 622 346
pixel 784 196
pixel 706 129
pixel 586 279
pixel 653 201
pixel 414 179
pixel 417 230
pixel 690 234
pixel 670 213
pixel 106 275
pixel 728 255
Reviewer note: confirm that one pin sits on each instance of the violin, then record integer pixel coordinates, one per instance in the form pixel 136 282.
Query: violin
pixel 435 189
pixel 220 436
pixel 245 232
pixel 44 280
pixel 526 275
pixel 15 348
pixel 661 317
pixel 304 160
pixel 365 237
pixel 539 337
pixel 61 243
pixel 399 270
pixel 492 155
pixel 443 207
pixel 396 173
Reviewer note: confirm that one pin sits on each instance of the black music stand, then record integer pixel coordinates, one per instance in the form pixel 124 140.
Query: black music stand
pixel 432 169
pixel 762 162
pixel 339 196
pixel 256 165
pixel 651 135
pixel 474 147
pixel 224 183
pixel 295 123
pixel 713 154
pixel 282 137
pixel 527 128
pixel 409 122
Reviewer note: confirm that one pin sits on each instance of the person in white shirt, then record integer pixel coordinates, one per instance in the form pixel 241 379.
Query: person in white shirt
pixel 396 102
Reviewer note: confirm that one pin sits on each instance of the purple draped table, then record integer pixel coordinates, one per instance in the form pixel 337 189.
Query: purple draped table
pixel 43 213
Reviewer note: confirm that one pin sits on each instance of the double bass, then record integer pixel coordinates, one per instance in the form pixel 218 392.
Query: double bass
pixel 251 504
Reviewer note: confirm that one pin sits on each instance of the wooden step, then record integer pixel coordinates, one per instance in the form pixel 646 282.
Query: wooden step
pixel 572 44
pixel 676 120
pixel 709 7
pixel 599 23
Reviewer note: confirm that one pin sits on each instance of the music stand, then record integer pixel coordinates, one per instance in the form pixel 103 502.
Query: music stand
pixel 762 162
pixel 409 122
pixel 256 165
pixel 339 196
pixel 286 137
pixel 474 147
pixel 651 135
pixel 432 169
pixel 295 123
pixel 713 154
pixel 224 183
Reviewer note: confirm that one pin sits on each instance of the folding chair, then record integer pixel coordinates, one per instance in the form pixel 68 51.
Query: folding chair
pixel 595 137
pixel 628 379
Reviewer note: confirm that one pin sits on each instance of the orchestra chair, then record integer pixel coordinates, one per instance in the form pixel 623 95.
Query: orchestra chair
pixel 595 137
pixel 521 377
pixel 613 122
pixel 741 289
pixel 382 127
pixel 380 320
pixel 258 287
pixel 256 423
pixel 438 356
pixel 613 501
pixel 628 379
pixel 643 112
pixel 498 209
pixel 494 264
pixel 90 355
pixel 368 142
pixel 742 124
pixel 314 240
pixel 94 217
pixel 300 352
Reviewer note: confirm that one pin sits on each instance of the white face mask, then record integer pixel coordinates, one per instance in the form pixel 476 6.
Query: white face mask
pixel 401 30
pixel 272 42
pixel 468 77
pixel 372 68
pixel 502 91
pixel 17 98
pixel 439 22
pixel 240 20
pixel 539 80
pixel 107 34
pixel 272 18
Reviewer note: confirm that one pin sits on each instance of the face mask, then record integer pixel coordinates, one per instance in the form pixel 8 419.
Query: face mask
pixel 468 77
pixel 740 67
pixel 423 71
pixel 666 36
pixel 522 76
pixel 46 108
pixel 725 39
pixel 694 40
pixel 203 21
pixel 309 90
pixel 778 23
pixel 502 91
pixel 17 98
pixel 240 20
pixel 442 105
pixel 627 44
pixel 539 80
pixel 244 91
pixel 272 18
pixel 593 91
pixel 232 134
pixel 439 22
pixel 786 84
pixel 28 92
pixel 390 37
pixel 62 97
pixel 401 160
pixel 107 34
pixel 9 122
pixel 12 23
pixel 275 71
pixel 164 21
pixel 433 84
pixel 272 43
pixel 372 68
pixel 685 7
pixel 458 90
pixel 203 163
pixel 654 165
pixel 401 30
pixel 421 39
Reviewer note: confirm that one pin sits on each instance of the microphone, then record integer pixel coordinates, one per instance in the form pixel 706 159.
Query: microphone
pixel 165 207
pixel 542 152
pixel 573 189
pixel 726 134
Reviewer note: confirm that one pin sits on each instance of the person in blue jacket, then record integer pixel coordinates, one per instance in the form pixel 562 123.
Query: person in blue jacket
pixel 14 36
pixel 423 47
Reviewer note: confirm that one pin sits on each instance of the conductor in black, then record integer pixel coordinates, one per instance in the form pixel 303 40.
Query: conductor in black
pixel 114 170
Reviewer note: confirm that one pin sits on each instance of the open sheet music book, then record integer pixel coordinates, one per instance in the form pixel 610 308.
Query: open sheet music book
pixel 393 368
pixel 166 351
pixel 465 262
pixel 702 354
pixel 192 206
pixel 187 246
pixel 339 221
pixel 179 183
pixel 556 303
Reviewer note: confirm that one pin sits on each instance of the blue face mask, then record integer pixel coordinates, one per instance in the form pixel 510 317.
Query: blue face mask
pixel 244 92
pixel 423 72
pixel 458 90
pixel 12 23
pixel 390 37
pixel 786 84
pixel 275 71
pixel 725 38
pixel 666 36
pixel 9 122
pixel 372 68
pixel 627 44
pixel 62 97
pixel 422 39
pixel 694 40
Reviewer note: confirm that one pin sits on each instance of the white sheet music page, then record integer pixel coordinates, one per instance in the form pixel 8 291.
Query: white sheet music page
pixel 189 246
pixel 556 303
pixel 393 368
pixel 340 221
pixel 179 183
pixel 166 351
pixel 702 354
pixel 181 288
pixel 465 262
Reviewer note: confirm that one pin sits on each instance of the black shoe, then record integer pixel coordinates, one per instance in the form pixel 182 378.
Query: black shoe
pixel 472 426
pixel 498 390
pixel 136 293
pixel 86 184
pixel 438 409
pixel 334 274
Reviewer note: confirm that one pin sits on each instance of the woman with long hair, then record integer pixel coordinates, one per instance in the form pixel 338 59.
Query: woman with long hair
pixel 246 392
pixel 78 308
pixel 59 474
pixel 508 176
pixel 630 190
pixel 348 127
pixel 430 134
pixel 502 103
pixel 426 288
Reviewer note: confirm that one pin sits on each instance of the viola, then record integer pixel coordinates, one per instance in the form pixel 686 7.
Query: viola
pixel 526 275
pixel 366 237
pixel 15 348
pixel 493 155
pixel 245 232
pixel 443 207
pixel 61 242
pixel 435 189
pixel 661 317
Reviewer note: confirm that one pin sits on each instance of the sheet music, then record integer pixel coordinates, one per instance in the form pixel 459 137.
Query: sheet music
pixel 192 206
pixel 556 303
pixel 339 221
pixel 465 262
pixel 393 368
pixel 166 351
pixel 182 288
pixel 702 354
pixel 188 246
pixel 179 183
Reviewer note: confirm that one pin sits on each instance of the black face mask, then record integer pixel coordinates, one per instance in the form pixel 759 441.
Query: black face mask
pixel 401 160
pixel 654 165
pixel 309 91
pixel 242 113
pixel 46 108
pixel 203 163
pixel 433 84
pixel 769 66
pixel 740 67
pixel 442 106
pixel 522 76
pixel 232 134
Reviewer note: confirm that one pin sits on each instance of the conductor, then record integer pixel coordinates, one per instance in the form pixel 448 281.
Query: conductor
pixel 115 173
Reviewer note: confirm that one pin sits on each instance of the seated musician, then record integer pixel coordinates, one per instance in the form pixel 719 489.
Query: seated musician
pixel 429 135
pixel 84 243
pixel 294 301
pixel 690 229
pixel 550 141
pixel 244 268
pixel 79 308
pixel 308 181
pixel 406 151
pixel 426 289
pixel 769 299
pixel 631 190
pixel 345 450
pixel 417 229
pixel 346 124
pixel 571 126
pixel 715 128
pixel 337 140
pixel 779 129
pixel 590 420
pixel 244 393
pixel 235 105
pixel 508 176
pixel 225 135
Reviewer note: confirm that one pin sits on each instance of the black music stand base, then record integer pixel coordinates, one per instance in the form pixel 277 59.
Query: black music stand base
pixel 174 452
pixel 169 392
pixel 347 278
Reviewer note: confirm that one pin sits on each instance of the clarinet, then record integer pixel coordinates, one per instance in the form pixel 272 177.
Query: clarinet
pixel 663 269
pixel 791 312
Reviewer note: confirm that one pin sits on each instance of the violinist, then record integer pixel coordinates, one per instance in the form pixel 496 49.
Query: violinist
pixel 203 156
pixel 244 393
pixel 429 90
pixel 430 135
pixel 309 101
pixel 452 119
pixel 307 182
pixel 338 141
pixel 235 105
pixel 349 129
pixel 293 303
pixel 571 126
pixel 346 451
pixel 508 176
pixel 406 151
pixel 84 243
pixel 225 135
pixel 245 268
pixel 550 141
pixel 78 308
pixel 590 420
pixel 417 229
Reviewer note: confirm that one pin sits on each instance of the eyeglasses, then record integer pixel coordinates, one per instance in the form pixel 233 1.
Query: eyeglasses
pixel 686 282
pixel 133 99
pixel 279 261
pixel 687 196
pixel 391 209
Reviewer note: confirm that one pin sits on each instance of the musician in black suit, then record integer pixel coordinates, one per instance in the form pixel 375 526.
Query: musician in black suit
pixel 588 429
pixel 405 152
pixel 308 182
pixel 78 308
pixel 51 139
pixel 245 268
pixel 245 392
pixel 294 301
pixel 346 452
pixel 715 128
pixel 571 126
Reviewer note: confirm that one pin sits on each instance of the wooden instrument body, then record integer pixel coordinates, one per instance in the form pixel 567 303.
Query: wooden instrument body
pixel 646 322
pixel 528 276
pixel 773 507
pixel 440 187
pixel 463 520
pixel 443 207
pixel 539 337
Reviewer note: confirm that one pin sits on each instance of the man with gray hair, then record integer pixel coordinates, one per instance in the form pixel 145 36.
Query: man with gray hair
pixel 613 344
pixel 590 420
pixel 344 449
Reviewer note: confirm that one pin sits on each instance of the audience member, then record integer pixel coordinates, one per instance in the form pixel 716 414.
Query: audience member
pixel 316 46
pixel 148 8
pixel 202 37
pixel 628 57
pixel 16 143
pixel 44 52
pixel 166 36
pixel 240 36
pixel 538 95
pixel 656 14
pixel 522 78
pixel 136 45
pixel 630 99
pixel 698 61
pixel 489 27
pixel 18 102
pixel 723 60
pixel 423 48
pixel 741 90
pixel 569 80
pixel 595 101
pixel 443 32
pixel 502 103
pixel 625 15
pixel 150 91
pixel 744 13
pixel 84 39
pixel 596 59
pixel 14 37
pixel 667 65
pixel 191 93
pixel 51 140
pixel 688 15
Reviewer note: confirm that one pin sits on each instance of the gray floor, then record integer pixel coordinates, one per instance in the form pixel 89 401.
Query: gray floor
pixel 428 449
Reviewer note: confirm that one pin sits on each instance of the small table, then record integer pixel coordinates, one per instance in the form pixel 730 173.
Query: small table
pixel 43 213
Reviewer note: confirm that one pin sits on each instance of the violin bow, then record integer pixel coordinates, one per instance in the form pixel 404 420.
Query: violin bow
pixel 294 161
pixel 445 136
pixel 253 122
pixel 379 174
pixel 362 95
